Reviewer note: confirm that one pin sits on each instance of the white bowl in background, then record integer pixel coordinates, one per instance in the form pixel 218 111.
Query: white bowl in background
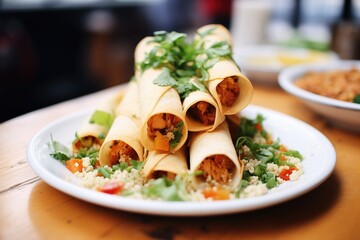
pixel 262 63
pixel 341 113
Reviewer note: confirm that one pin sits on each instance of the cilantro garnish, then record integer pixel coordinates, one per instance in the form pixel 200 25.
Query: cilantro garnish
pixel 177 135
pixel 356 99
pixel 249 127
pixel 61 152
pixel 182 61
pixel 182 85
pixel 165 189
pixel 92 153
pixel 123 166
pixel 293 153
pixel 206 32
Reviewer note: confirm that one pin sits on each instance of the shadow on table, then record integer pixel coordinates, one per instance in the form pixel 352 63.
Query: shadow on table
pixel 53 212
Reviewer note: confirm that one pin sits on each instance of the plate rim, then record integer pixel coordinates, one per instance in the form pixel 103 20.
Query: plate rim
pixel 190 209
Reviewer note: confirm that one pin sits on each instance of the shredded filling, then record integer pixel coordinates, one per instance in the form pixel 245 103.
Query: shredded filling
pixel 228 91
pixel 121 152
pixel 161 128
pixel 86 142
pixel 160 174
pixel 203 112
pixel 218 167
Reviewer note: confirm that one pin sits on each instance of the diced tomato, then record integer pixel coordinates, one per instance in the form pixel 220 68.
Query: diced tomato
pixel 216 193
pixel 74 165
pixel 258 127
pixel 111 188
pixel 285 173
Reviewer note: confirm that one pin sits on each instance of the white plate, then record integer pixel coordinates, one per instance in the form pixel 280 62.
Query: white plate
pixel 319 161
pixel 262 63
pixel 341 113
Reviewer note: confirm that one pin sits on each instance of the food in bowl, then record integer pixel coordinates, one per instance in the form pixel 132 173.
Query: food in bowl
pixel 340 84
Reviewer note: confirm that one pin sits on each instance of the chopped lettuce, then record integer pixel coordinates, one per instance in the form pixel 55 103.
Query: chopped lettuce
pixel 102 118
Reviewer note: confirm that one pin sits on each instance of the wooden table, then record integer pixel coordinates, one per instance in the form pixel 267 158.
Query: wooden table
pixel 31 209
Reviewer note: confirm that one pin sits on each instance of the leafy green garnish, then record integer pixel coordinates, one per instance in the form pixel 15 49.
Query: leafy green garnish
pixel 123 166
pixel 249 127
pixel 61 152
pixel 163 188
pixel 136 164
pixel 206 32
pixel 249 130
pixel 177 135
pixel 356 99
pixel 181 61
pixel 102 118
pixel 92 153
pixel 217 50
pixel 243 184
pixel 60 156
pixel 169 190
pixel 269 179
pixel 182 85
pixel 293 153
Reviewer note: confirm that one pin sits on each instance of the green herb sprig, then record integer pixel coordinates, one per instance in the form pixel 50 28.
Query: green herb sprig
pixel 60 151
pixel 180 61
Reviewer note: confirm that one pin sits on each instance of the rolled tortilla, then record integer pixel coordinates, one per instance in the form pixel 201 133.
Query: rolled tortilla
pixel 165 164
pixel 129 105
pixel 93 134
pixel 122 143
pixel 227 70
pixel 215 155
pixel 230 88
pixel 143 48
pixel 217 33
pixel 156 100
pixel 194 105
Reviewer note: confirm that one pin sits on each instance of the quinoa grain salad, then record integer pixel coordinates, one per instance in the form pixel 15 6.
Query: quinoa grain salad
pixel 267 164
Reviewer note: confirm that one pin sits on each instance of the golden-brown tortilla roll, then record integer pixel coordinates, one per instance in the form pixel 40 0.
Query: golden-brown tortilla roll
pixel 217 33
pixel 214 154
pixel 230 88
pixel 202 113
pixel 162 118
pixel 165 164
pixel 129 105
pixel 122 143
pixel 143 48
pixel 92 134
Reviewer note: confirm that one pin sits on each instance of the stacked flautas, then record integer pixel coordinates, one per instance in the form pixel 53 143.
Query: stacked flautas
pixel 173 115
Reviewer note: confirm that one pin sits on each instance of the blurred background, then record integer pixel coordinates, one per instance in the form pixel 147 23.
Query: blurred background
pixel 55 50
